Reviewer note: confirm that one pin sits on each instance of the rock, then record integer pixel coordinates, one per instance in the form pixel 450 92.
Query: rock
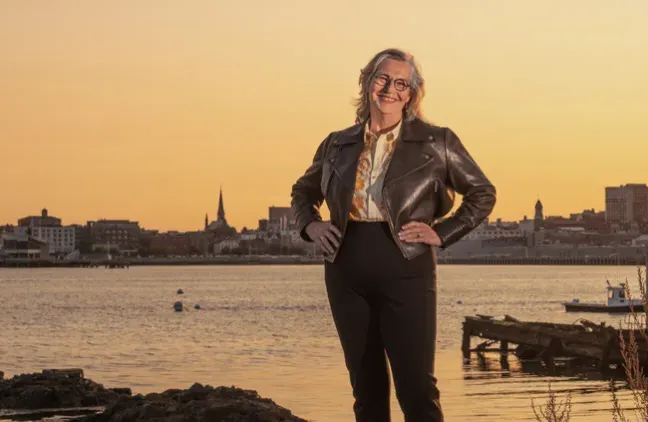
pixel 55 389
pixel 39 397
pixel 151 411
pixel 58 389
pixel 198 403
pixel 153 396
pixel 71 373
pixel 90 400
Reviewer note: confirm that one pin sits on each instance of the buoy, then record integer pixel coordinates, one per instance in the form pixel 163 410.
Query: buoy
pixel 177 306
pixel 180 291
pixel 196 306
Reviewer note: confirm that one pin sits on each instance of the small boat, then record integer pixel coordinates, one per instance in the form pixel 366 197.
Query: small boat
pixel 616 302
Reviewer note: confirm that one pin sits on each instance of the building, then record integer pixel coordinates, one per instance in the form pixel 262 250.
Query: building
pixel 220 221
pixel 48 229
pixel 592 220
pixel 177 244
pixel 120 235
pixel 40 220
pixel 539 216
pixel 532 231
pixel 280 220
pixel 83 240
pixel 626 204
pixel 61 240
pixel 500 231
pixel 641 241
pixel 22 245
pixel 555 222
pixel 219 229
pixel 227 245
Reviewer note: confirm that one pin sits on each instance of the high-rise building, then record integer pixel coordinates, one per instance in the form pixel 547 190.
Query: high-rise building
pixel 626 203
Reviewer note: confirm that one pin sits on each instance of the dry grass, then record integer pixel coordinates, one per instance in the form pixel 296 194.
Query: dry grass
pixel 637 382
pixel 553 410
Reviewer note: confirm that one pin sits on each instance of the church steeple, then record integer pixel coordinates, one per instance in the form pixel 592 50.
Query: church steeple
pixel 538 217
pixel 221 207
pixel 539 211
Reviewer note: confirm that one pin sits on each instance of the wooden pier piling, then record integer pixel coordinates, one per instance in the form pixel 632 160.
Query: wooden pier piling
pixel 596 343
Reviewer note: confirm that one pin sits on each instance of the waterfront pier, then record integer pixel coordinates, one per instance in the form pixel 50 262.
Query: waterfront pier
pixel 584 340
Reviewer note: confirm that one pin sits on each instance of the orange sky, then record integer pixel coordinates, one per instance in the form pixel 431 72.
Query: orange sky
pixel 140 110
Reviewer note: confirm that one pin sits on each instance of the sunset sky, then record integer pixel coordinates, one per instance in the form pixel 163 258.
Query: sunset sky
pixel 142 109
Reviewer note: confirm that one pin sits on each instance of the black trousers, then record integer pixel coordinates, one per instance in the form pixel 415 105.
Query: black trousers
pixel 384 304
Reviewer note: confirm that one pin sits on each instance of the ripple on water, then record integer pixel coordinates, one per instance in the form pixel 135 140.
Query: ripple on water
pixel 269 329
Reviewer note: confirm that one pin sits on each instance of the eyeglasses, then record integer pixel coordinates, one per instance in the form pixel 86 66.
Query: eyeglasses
pixel 384 80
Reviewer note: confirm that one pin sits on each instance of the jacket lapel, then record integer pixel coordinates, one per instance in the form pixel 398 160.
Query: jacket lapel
pixel 409 154
pixel 349 145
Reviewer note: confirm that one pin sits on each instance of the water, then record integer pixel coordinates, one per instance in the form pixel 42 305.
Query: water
pixel 269 329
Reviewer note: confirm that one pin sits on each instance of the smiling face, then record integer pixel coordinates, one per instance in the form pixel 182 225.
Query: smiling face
pixel 389 91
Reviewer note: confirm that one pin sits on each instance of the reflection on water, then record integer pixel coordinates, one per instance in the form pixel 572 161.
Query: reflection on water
pixel 269 329
pixel 505 377
pixel 508 364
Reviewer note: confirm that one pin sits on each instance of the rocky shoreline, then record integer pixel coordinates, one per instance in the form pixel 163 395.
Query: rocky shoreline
pixel 69 396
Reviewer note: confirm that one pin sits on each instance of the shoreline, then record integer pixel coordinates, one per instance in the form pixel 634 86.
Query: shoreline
pixel 299 260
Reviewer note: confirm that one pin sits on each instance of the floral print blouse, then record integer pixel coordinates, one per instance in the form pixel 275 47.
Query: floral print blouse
pixel 367 204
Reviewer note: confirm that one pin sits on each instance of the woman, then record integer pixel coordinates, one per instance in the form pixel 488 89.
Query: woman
pixel 387 181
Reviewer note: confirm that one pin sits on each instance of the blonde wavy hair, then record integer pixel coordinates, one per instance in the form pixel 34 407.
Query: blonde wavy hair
pixel 417 84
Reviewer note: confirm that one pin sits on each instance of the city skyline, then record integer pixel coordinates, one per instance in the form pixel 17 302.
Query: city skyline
pixel 213 216
pixel 122 110
pixel 221 213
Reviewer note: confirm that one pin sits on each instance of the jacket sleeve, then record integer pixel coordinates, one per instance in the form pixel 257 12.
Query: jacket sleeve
pixel 307 194
pixel 467 179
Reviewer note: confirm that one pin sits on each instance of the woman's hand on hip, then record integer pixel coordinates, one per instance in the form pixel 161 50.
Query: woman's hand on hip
pixel 417 232
pixel 325 235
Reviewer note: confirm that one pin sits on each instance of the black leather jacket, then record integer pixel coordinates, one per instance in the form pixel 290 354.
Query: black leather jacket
pixel 426 161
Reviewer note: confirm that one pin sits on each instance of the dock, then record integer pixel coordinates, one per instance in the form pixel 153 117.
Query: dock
pixel 584 340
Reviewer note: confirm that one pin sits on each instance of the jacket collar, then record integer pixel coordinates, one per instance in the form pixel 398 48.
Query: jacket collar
pixel 411 131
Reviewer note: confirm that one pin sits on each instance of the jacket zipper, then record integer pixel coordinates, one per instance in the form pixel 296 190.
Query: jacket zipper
pixel 345 216
pixel 409 172
pixel 389 219
pixel 391 227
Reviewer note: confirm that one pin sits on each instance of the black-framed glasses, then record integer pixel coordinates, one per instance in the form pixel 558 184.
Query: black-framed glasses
pixel 399 83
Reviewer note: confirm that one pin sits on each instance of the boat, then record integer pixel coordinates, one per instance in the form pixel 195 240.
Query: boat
pixel 616 302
